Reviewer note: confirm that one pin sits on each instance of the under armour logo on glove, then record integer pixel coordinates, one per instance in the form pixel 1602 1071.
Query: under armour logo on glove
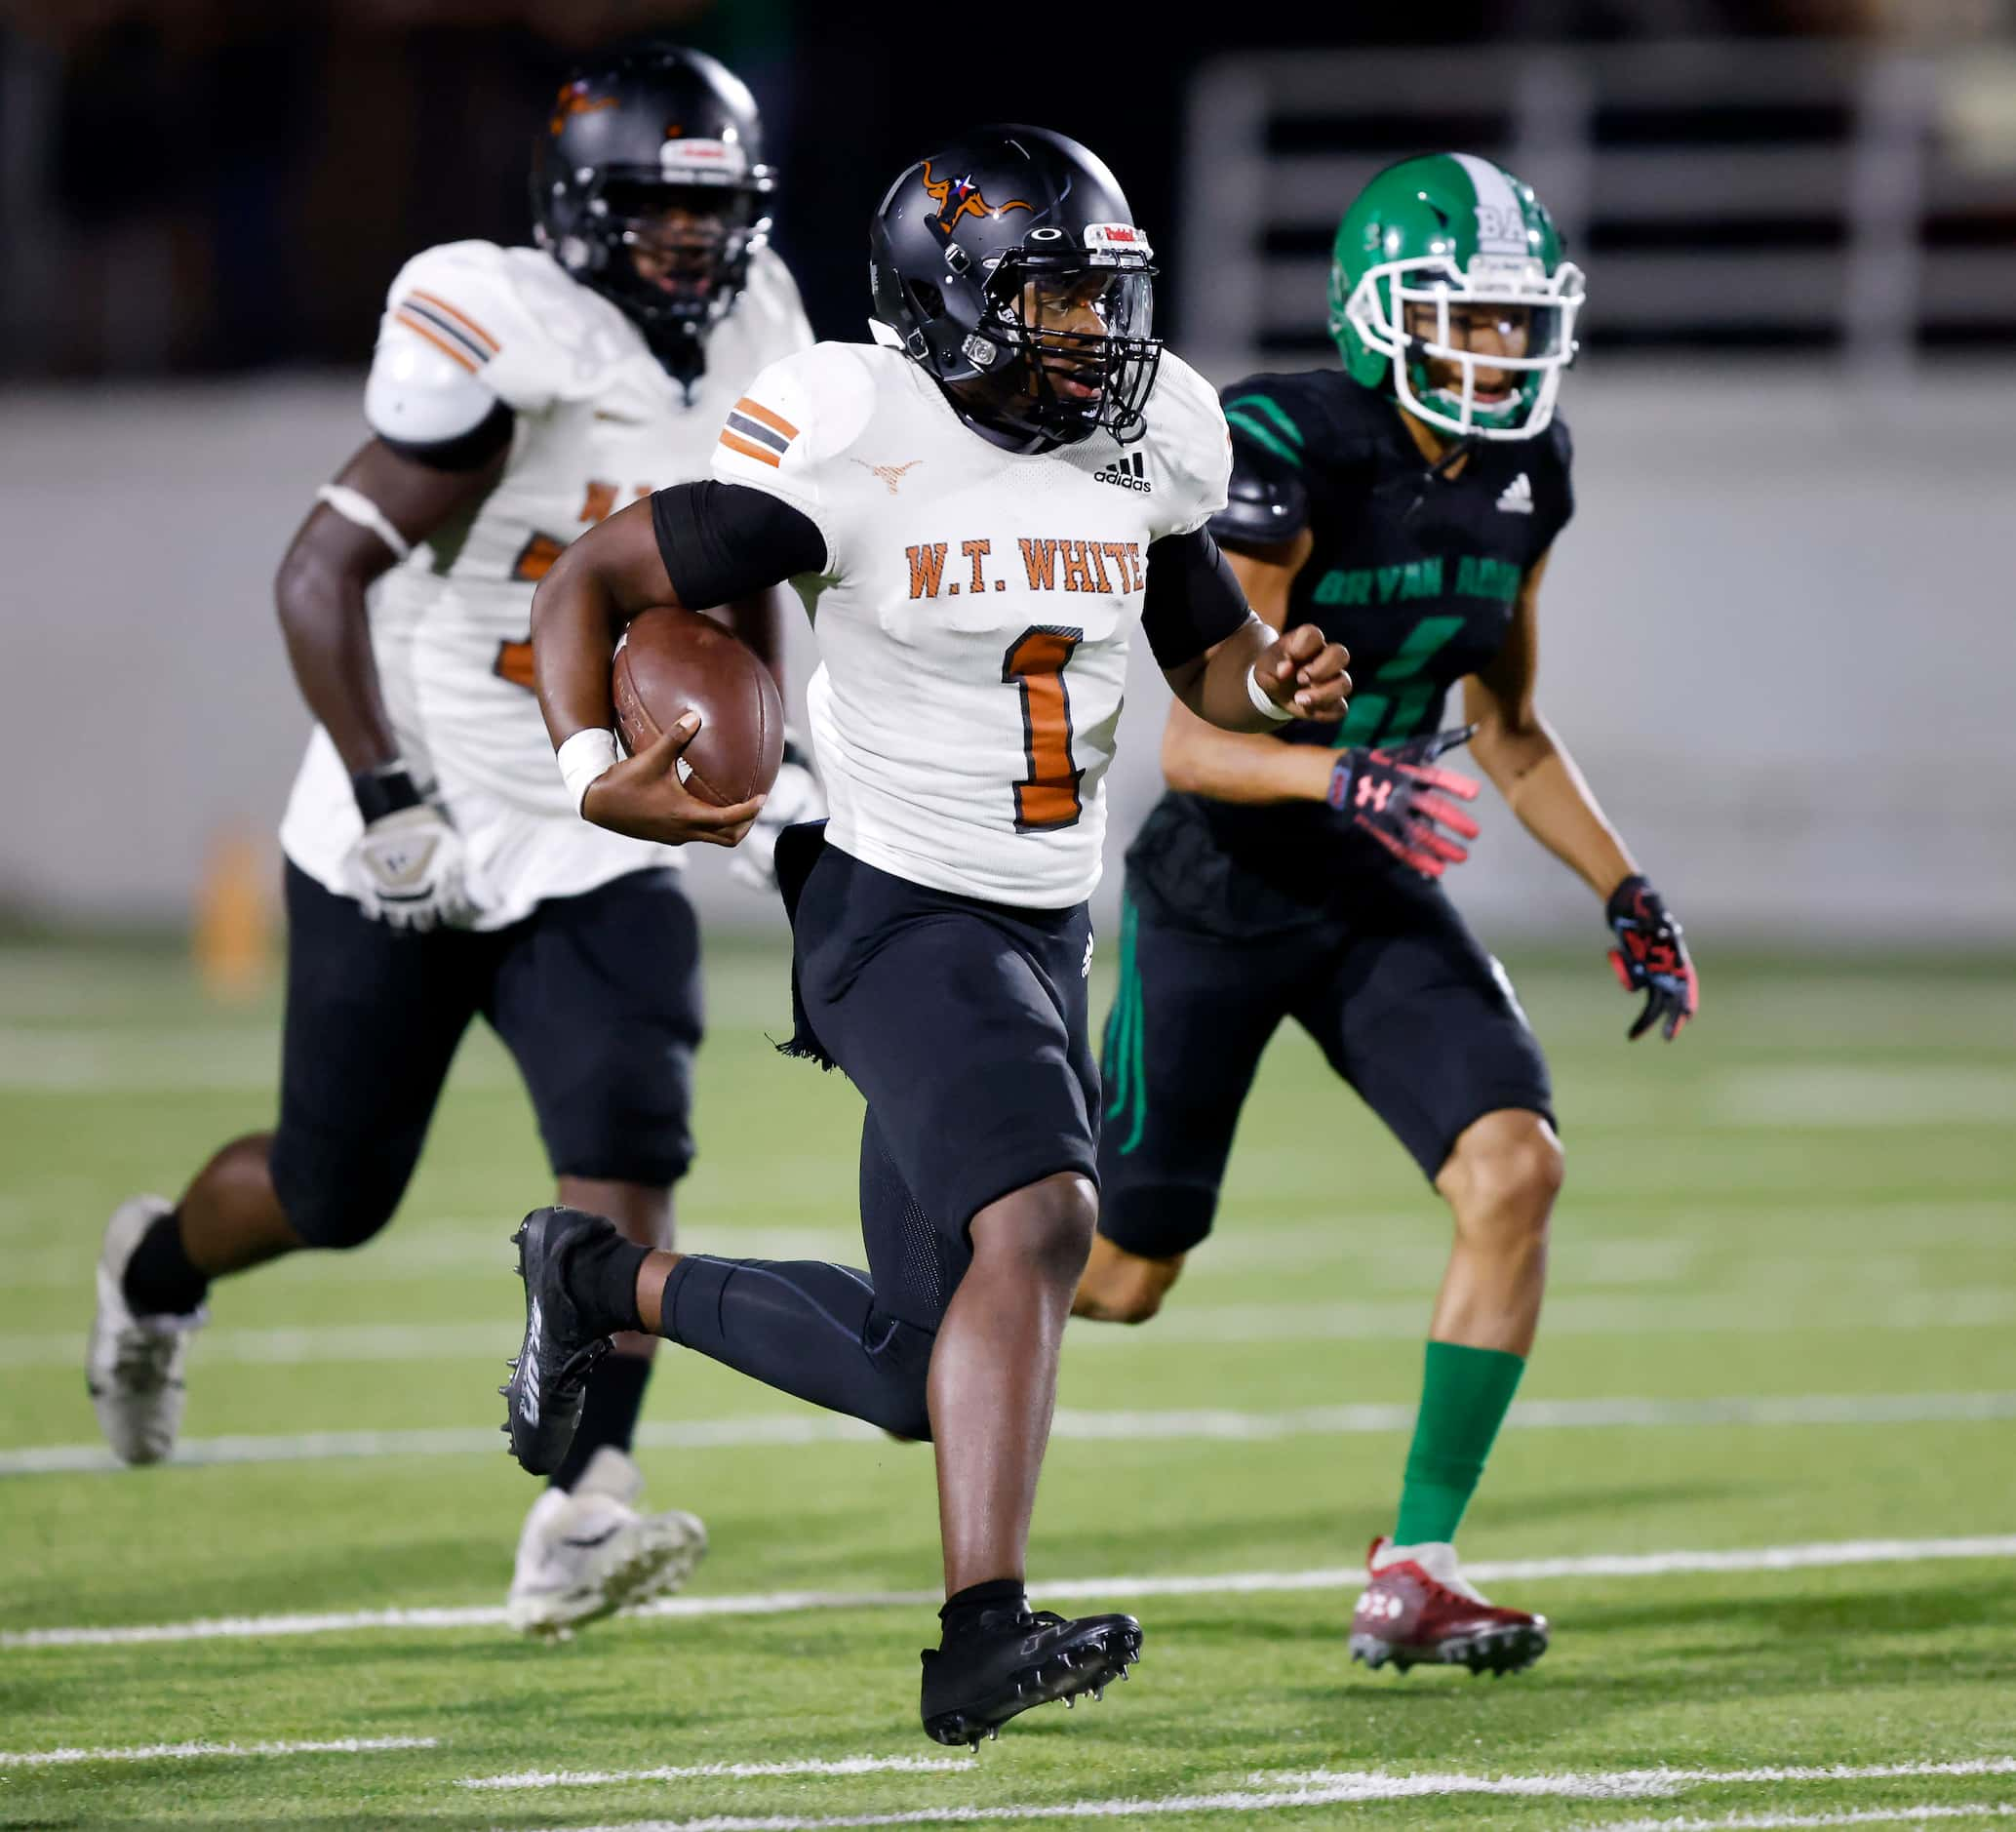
pixel 406 868
pixel 1396 797
pixel 1651 957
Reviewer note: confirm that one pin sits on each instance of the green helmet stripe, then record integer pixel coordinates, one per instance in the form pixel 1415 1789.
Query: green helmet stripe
pixel 1260 435
pixel 1274 411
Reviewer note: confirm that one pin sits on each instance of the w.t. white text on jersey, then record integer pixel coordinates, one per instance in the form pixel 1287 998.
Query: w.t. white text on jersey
pixel 975 613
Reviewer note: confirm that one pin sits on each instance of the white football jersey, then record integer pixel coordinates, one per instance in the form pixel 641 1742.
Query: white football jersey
pixel 975 613
pixel 599 423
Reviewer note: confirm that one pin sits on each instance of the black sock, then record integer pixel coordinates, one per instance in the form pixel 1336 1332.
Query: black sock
pixel 159 1280
pixel 600 1277
pixel 609 1413
pixel 964 1608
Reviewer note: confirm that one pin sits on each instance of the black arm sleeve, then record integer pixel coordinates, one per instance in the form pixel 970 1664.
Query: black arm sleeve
pixel 1192 600
pixel 468 450
pixel 723 541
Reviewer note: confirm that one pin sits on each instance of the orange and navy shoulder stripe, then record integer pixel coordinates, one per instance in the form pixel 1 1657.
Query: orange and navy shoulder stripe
pixel 756 432
pixel 449 330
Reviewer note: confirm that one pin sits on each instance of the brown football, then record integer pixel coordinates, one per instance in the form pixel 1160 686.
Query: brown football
pixel 672 661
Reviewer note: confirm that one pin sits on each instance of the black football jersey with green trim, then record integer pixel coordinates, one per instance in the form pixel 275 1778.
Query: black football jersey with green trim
pixel 1415 572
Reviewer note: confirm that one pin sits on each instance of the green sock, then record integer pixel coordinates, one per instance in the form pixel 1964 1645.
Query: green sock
pixel 1465 1394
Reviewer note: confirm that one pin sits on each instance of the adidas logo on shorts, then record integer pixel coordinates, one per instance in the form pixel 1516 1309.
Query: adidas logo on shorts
pixel 1126 473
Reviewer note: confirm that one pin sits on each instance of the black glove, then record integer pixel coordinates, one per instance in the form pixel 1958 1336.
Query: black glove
pixel 1651 958
pixel 1390 795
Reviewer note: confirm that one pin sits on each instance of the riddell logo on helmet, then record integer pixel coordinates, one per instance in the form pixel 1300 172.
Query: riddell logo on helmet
pixel 1116 244
pixel 957 198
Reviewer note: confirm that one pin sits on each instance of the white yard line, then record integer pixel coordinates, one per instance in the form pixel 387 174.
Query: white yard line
pixel 1971 1307
pixel 773 1430
pixel 1784 1821
pixel 1817 1556
pixel 722 1771
pixel 1329 1790
pixel 184 1752
pixel 1648 1783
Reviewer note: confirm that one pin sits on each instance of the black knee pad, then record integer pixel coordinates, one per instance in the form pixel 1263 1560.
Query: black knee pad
pixel 340 1212
pixel 903 1352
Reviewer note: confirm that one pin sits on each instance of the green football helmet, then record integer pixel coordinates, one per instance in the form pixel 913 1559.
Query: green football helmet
pixel 1449 230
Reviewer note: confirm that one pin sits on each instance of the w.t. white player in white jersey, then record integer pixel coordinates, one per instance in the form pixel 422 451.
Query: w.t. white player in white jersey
pixel 977 510
pixel 435 865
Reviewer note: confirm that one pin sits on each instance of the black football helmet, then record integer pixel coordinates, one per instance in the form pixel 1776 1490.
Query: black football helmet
pixel 649 186
pixel 1011 255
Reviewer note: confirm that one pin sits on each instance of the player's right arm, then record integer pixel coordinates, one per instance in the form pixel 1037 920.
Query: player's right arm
pixel 378 507
pixel 722 541
pixel 1200 758
pixel 443 436
pixel 725 543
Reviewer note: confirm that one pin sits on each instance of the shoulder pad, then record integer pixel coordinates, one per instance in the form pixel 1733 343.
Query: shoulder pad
pixel 509 317
pixel 795 418
pixel 429 379
pixel 1560 446
pixel 1264 423
pixel 1189 446
pixel 1266 502
pixel 773 289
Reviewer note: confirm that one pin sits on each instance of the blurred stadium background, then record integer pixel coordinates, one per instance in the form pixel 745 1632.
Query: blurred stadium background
pixel 1776 635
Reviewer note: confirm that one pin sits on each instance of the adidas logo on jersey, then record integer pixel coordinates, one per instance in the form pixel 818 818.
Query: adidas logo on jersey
pixel 1517 496
pixel 1124 473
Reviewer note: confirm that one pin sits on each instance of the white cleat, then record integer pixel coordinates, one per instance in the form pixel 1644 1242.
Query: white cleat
pixel 133 1365
pixel 586 1553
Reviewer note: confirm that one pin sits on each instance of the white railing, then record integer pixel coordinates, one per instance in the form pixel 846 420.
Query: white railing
pixel 1811 194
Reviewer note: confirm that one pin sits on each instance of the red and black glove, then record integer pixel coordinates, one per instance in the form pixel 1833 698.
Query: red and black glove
pixel 1651 958
pixel 1396 795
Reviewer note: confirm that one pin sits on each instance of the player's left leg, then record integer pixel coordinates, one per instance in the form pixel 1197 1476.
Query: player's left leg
pixel 598 997
pixel 1424 1024
pixel 373 1020
pixel 964 1025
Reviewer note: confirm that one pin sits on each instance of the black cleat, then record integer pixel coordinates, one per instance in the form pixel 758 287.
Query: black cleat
pixel 549 1375
pixel 1016 1658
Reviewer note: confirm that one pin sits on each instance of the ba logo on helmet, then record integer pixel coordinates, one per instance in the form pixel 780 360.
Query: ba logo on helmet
pixel 1500 226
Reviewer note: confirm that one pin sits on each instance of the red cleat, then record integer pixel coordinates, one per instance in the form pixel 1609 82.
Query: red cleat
pixel 1418 1611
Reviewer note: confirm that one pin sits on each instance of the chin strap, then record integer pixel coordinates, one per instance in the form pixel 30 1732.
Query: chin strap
pixel 1429 475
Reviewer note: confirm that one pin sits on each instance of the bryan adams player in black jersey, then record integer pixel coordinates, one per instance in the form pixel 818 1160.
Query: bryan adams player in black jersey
pixel 1408 507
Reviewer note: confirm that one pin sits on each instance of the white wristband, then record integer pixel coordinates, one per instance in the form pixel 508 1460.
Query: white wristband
pixel 353 506
pixel 1262 703
pixel 585 759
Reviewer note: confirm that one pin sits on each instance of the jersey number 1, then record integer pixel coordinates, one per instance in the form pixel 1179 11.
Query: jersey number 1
pixel 1048 797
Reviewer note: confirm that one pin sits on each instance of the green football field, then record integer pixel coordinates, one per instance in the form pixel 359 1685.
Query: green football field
pixel 1762 1476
